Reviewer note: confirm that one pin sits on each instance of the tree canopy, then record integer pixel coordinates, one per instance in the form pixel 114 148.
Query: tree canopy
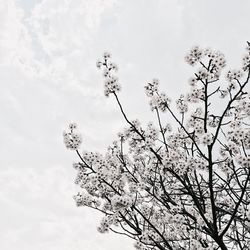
pixel 180 185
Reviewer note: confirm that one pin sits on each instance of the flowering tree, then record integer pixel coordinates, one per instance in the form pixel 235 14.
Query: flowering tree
pixel 182 188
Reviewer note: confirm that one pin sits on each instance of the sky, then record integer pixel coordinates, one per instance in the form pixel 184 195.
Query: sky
pixel 48 54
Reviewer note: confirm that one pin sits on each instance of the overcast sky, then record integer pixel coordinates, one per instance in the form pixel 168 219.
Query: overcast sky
pixel 48 51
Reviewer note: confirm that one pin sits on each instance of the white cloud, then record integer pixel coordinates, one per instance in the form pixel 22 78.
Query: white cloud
pixel 14 38
pixel 63 28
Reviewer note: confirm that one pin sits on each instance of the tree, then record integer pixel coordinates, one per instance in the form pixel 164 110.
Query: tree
pixel 182 188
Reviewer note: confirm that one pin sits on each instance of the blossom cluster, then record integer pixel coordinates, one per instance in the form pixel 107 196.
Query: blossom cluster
pixel 111 83
pixel 234 75
pixel 194 55
pixel 246 58
pixel 158 100
pixel 181 104
pixel 72 140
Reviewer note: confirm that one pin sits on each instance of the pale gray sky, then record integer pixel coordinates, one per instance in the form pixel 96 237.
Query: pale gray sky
pixel 48 50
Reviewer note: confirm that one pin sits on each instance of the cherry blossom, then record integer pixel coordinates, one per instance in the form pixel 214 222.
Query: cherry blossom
pixel 179 184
